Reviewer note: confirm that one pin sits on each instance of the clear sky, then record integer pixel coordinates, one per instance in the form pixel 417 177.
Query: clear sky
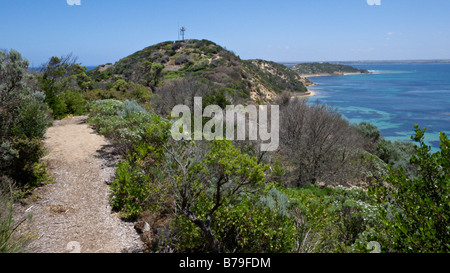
pixel 102 31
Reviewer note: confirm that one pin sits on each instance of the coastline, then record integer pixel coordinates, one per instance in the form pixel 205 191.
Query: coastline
pixel 336 74
pixel 307 94
pixel 311 93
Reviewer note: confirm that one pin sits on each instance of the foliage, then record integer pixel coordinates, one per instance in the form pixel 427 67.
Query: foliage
pixel 131 189
pixel 218 196
pixel 69 103
pixel 396 154
pixel 221 175
pixel 10 241
pixel 24 117
pixel 126 123
pixel 325 68
pixel 416 212
pixel 331 219
pixel 246 227
pixel 369 130
pixel 139 136
pixel 63 80
pixel 32 118
pixel 319 143
pixel 157 65
pixel 217 97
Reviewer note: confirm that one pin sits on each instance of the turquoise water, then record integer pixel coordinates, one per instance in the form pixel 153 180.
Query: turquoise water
pixel 394 98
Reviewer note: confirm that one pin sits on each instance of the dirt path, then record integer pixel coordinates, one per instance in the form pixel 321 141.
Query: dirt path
pixel 73 214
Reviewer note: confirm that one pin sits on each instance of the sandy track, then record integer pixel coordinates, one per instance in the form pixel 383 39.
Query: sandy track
pixel 73 214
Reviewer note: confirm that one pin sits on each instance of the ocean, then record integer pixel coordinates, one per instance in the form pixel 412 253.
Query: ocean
pixel 393 98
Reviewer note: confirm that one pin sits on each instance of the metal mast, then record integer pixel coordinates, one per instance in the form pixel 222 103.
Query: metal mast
pixel 182 31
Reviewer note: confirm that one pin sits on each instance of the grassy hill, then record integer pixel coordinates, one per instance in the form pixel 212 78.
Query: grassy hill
pixel 154 66
pixel 307 69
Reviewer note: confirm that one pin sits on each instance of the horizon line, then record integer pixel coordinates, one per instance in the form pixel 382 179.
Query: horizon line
pixel 445 60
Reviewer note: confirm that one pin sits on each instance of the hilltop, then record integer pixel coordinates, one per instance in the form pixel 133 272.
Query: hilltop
pixel 326 69
pixel 154 66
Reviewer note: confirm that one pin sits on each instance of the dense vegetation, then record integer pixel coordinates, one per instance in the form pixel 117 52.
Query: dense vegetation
pixel 24 117
pixel 239 79
pixel 330 187
pixel 226 196
pixel 325 69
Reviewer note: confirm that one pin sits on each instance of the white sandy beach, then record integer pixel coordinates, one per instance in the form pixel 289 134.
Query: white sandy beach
pixel 308 93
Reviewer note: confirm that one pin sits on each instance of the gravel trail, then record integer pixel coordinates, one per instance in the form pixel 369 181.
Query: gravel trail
pixel 73 213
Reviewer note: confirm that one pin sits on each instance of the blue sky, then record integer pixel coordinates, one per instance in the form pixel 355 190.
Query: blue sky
pixel 101 31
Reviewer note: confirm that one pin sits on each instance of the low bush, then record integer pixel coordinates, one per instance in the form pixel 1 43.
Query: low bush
pixel 331 219
pixel 69 103
pixel 125 123
pixel 10 240
pixel 139 136
pixel 182 60
pixel 24 118
pixel 248 226
pixel 416 211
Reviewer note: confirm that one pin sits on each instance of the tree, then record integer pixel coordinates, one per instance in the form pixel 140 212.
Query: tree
pixel 221 175
pixel 179 91
pixel 151 74
pixel 24 118
pixel 318 141
pixel 418 213
pixel 60 75
pixel 372 135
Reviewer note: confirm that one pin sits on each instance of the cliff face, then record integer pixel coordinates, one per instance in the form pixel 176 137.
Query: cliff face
pixel 258 80
pixel 271 78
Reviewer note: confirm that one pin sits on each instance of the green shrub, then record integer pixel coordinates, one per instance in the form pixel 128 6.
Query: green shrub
pixel 32 117
pixel 332 219
pixel 244 227
pixel 416 212
pixel 130 190
pixel 24 118
pixel 397 155
pixel 28 151
pixel 10 240
pixel 120 85
pixel 101 94
pixel 217 97
pixel 42 175
pixel 68 103
pixel 127 123
pixel 139 136
pixel 108 107
pixel 75 103
pixel 209 50
pixel 130 107
pixel 171 75
pixel 63 80
pixel 369 130
pixel 139 93
pixel 355 211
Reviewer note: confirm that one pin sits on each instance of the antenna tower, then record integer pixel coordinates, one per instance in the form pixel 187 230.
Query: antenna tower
pixel 182 31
